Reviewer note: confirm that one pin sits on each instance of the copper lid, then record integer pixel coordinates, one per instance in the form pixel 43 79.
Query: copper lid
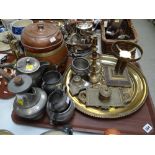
pixel 41 35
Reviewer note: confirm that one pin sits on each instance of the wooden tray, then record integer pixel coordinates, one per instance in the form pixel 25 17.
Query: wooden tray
pixel 132 124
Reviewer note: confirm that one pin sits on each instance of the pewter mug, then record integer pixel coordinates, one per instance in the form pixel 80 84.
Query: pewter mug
pixel 80 66
pixel 51 80
pixel 60 108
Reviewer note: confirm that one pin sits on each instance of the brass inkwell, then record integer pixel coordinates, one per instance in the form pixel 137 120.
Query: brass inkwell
pixel 112 86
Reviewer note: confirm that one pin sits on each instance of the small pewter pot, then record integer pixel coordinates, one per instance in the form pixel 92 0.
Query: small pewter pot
pixel 51 80
pixel 60 108
pixel 80 66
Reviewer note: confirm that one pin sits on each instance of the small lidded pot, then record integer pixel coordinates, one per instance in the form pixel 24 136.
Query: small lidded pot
pixel 60 108
pixel 51 81
pixel 104 93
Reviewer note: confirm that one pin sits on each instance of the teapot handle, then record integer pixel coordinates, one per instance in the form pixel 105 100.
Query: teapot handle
pixel 43 85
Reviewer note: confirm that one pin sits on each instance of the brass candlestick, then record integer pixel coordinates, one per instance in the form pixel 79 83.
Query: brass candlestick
pixel 94 68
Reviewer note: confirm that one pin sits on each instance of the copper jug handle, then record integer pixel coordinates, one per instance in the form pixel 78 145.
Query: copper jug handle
pixel 40 25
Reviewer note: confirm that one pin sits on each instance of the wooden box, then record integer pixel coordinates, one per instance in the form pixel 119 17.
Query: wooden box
pixel 127 25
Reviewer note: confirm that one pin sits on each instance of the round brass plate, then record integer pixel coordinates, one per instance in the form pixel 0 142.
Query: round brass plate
pixel 139 93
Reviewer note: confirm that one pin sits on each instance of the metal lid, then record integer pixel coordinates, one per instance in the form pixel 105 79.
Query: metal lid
pixel 77 79
pixel 104 91
pixel 20 84
pixel 28 65
pixel 41 29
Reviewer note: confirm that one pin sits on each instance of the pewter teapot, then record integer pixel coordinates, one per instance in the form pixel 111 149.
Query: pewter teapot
pixel 32 67
pixel 30 101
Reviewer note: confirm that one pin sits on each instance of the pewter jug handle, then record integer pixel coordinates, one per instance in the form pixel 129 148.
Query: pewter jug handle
pixel 43 85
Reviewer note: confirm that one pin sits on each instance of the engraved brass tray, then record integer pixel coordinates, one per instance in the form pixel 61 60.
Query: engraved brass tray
pixel 139 91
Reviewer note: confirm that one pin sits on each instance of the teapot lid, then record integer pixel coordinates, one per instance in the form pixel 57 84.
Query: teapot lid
pixel 20 84
pixel 28 65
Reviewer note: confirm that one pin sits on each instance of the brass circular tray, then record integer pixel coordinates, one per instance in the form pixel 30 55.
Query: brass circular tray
pixel 139 89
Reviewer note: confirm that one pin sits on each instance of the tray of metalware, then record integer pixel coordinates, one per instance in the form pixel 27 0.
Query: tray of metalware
pixel 138 92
